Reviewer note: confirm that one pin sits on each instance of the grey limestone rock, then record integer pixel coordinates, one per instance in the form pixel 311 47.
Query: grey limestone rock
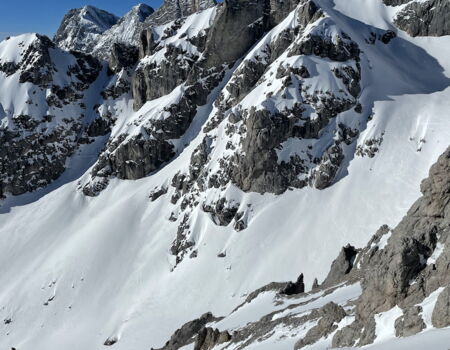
pixel 188 332
pixel 441 311
pixel 123 56
pixel 342 266
pixel 425 18
pixel 329 316
pixel 410 323
pixel 396 2
pixel 208 338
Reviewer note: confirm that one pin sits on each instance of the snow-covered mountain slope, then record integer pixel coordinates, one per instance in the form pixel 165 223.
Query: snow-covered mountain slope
pixel 46 108
pixel 82 28
pixel 208 190
pixel 95 31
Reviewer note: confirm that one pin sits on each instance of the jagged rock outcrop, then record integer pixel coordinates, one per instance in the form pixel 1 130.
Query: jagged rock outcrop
pixel 35 64
pixel 171 10
pixel 255 131
pixel 398 269
pixel 256 165
pixel 222 212
pixel 188 333
pixel 395 2
pixel 208 338
pixel 238 25
pixel 425 18
pixel 123 56
pixel 341 266
pixel 293 288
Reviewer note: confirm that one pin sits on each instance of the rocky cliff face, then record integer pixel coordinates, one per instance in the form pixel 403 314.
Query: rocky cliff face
pixel 425 18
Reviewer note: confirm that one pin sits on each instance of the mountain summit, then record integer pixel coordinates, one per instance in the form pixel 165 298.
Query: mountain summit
pixel 81 28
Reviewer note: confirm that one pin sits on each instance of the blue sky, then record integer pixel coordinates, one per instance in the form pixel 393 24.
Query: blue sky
pixel 44 16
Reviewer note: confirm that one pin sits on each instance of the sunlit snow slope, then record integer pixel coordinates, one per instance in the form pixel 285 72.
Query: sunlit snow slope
pixel 76 270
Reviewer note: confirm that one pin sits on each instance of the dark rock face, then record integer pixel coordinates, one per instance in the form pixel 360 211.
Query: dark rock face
pixel 341 266
pixel 135 157
pixel 255 166
pixel 256 135
pixel 279 10
pixel 35 66
pixel 293 288
pixel 323 47
pixel 159 78
pixel 222 212
pixel 123 56
pixel 395 2
pixel 188 332
pixel 237 27
pixel 429 18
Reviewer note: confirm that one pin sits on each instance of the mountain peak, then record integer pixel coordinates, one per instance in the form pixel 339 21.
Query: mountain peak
pixel 143 9
pixel 79 27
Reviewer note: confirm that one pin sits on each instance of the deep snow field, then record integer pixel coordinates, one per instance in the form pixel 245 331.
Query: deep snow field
pixel 76 270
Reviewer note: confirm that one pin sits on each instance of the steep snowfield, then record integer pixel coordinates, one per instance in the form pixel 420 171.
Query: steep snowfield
pixel 76 270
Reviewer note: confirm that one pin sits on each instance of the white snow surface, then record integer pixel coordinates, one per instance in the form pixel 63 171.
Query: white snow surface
pixel 76 270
